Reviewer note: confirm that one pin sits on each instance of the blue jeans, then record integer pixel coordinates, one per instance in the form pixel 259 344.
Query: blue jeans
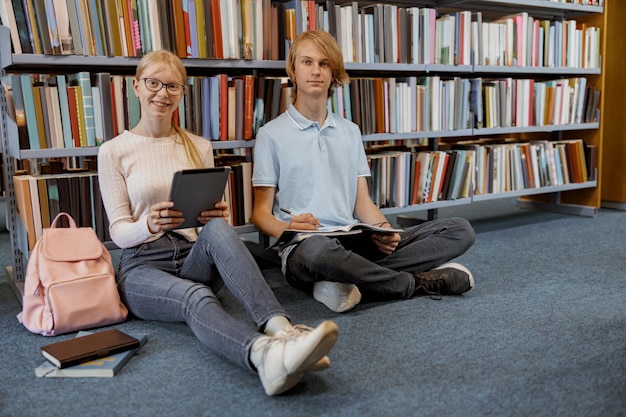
pixel 355 259
pixel 173 280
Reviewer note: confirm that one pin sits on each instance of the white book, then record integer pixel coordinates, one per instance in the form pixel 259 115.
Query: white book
pixel 8 19
pixel 346 35
pixel 414 38
pixel 155 29
pixel 581 100
pixel 258 29
pixel 97 111
pixel 55 118
pixel 63 26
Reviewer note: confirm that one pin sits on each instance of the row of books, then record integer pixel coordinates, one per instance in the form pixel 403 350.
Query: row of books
pixel 78 110
pixel 226 29
pixel 39 198
pixel 423 104
pixel 518 166
pixel 54 111
pixel 63 111
pixel 239 189
pixel 526 102
pixel 223 29
pixel 394 34
pixel 408 177
pixel 401 178
pixel 583 2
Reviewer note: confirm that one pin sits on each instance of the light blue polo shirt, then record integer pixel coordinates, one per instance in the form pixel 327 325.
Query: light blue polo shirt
pixel 313 169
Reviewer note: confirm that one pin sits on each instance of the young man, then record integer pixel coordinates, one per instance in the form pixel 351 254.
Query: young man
pixel 310 170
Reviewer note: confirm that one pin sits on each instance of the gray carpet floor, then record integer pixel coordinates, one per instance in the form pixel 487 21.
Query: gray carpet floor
pixel 542 334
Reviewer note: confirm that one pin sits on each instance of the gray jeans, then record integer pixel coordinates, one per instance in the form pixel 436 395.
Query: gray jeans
pixel 174 280
pixel 355 259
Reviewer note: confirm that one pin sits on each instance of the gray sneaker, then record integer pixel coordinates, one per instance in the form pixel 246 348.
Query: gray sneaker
pixel 447 279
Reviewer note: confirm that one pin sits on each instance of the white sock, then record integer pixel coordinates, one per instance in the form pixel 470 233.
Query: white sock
pixel 276 324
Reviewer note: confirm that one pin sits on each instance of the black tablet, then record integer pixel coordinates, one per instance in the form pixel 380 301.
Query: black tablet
pixel 195 190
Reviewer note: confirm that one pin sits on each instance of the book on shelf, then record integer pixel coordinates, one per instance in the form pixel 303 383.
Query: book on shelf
pixel 23 200
pixel 201 35
pixel 294 235
pixel 106 366
pixel 30 111
pixel 82 79
pixel 7 18
pixel 15 106
pixel 74 117
pixel 97 345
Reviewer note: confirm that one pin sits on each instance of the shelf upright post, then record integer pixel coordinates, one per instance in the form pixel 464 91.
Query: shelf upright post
pixel 11 207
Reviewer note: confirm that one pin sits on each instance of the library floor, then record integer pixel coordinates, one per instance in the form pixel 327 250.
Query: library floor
pixel 541 334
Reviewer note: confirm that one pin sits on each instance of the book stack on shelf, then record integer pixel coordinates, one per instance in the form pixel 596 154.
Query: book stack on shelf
pixel 463 99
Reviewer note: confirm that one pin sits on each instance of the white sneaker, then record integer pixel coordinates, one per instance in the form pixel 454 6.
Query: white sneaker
pixel 337 296
pixel 286 356
pixel 301 329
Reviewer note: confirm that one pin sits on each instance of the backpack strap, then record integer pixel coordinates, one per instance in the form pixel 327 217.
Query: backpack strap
pixel 70 220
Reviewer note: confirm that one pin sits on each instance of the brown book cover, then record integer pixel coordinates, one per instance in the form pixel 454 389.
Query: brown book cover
pixel 43 202
pixel 247 29
pixel 232 110
pixel 73 110
pixel 83 349
pixel 179 28
pixel 24 204
pixel 248 117
pixel 223 83
pixel 239 108
pixel 216 24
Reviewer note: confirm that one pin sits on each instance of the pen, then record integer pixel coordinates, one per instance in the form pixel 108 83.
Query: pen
pixel 284 210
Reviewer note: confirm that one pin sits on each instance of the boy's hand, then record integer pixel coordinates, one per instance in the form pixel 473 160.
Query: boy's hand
pixel 387 244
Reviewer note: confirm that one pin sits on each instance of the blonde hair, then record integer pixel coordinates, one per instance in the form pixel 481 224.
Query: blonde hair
pixel 166 58
pixel 331 50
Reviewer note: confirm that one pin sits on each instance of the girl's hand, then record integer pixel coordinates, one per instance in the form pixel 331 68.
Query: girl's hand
pixel 163 217
pixel 219 212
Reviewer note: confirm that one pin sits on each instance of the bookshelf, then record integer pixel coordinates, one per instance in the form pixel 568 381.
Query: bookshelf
pixel 581 198
pixel 613 188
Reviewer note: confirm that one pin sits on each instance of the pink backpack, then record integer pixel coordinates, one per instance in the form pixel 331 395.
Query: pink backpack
pixel 70 283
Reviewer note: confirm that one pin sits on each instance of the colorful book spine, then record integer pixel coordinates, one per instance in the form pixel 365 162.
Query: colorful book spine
pixel 29 109
pixel 65 111
pixel 83 79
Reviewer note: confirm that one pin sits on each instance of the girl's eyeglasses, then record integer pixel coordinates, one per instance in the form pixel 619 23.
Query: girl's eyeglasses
pixel 155 86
